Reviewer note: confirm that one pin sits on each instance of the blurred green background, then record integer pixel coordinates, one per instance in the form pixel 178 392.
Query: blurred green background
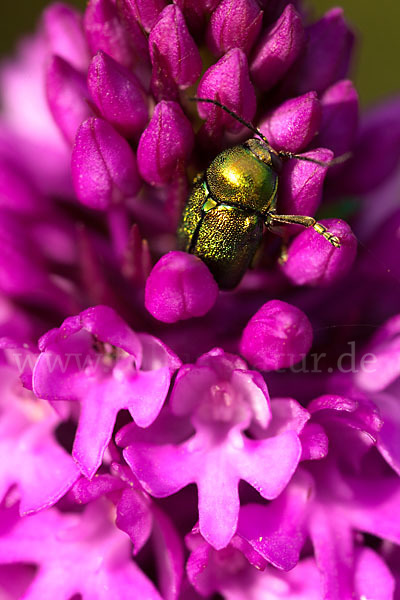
pixel 376 69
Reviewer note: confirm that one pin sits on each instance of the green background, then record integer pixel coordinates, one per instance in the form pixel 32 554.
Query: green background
pixel 376 69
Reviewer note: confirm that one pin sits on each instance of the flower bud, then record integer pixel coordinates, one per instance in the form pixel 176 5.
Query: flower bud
pixel 278 335
pixel 180 286
pixel 234 24
pixel 165 144
pixel 145 12
pixel 64 32
pixel 311 260
pixel 105 31
pixel 293 124
pixel 227 81
pixel 103 165
pixel 277 49
pixel 339 121
pixel 174 55
pixel 327 55
pixel 118 95
pixel 301 183
pixel 67 96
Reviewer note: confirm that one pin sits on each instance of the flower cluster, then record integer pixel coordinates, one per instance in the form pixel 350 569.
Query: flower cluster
pixel 162 439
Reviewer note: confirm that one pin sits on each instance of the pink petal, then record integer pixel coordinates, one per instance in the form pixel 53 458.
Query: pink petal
pixel 219 504
pixel 278 530
pixel 373 578
pixel 134 516
pixel 96 424
pixel 389 436
pixel 169 555
pixel 50 474
pixel 279 456
pixel 162 470
pixel 145 395
pixel 332 539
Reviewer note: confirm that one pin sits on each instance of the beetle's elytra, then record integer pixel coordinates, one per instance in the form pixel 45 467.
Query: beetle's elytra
pixel 224 217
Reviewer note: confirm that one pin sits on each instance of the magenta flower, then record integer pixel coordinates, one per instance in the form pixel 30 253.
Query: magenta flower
pixel 170 440
pixel 222 398
pixel 96 359
pixel 37 465
pixel 140 518
pixel 55 542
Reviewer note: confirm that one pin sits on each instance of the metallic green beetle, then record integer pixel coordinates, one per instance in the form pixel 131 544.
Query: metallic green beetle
pixel 224 217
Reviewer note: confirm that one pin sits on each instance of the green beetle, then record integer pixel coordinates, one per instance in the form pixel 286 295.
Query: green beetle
pixel 224 217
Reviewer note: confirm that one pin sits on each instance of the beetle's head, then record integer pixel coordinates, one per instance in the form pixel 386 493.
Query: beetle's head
pixel 264 153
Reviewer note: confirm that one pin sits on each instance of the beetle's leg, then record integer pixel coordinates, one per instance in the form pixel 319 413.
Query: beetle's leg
pixel 272 218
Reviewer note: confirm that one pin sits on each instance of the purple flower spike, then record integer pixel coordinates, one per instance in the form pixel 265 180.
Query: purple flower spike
pixel 234 24
pixel 118 95
pixel 67 97
pixel 222 397
pixel 339 120
pixel 293 124
pixel 64 32
pixel 103 165
pixel 180 287
pixel 312 260
pixel 95 358
pixel 301 184
pixel 145 12
pixel 327 55
pixel 229 82
pixel 105 31
pixel 174 55
pixel 278 335
pixel 277 49
pixel 165 145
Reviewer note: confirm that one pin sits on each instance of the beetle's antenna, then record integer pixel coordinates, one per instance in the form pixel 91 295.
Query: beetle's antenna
pixel 235 116
pixel 335 161
pixel 282 154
